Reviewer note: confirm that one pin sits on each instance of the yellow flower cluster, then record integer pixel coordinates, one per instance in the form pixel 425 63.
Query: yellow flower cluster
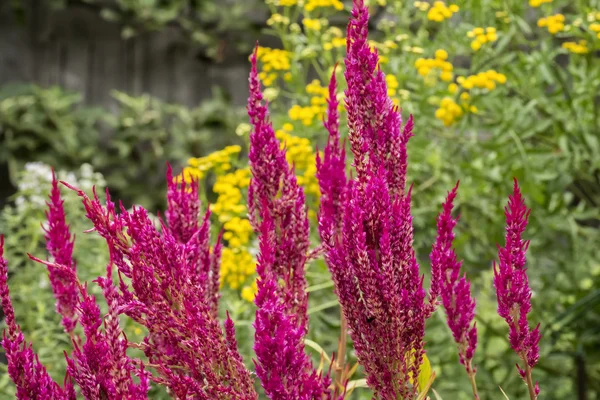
pixel 286 3
pixel 237 232
pixel 440 11
pixel 481 36
pixel 237 264
pixel 449 112
pixel 299 153
pixel 317 108
pixel 218 161
pixel 577 47
pixel 230 198
pixel 278 19
pixel 249 292
pixel 313 24
pixel 503 16
pixel 483 80
pixel 392 85
pixel 421 5
pixel 274 61
pixel 311 5
pixel 426 65
pixel 554 23
pixel 537 3
pixel 335 43
pixel 595 27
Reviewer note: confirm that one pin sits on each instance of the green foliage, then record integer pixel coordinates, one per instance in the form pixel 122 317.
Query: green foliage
pixel 51 126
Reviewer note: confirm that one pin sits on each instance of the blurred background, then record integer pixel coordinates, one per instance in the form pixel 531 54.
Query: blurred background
pixel 107 91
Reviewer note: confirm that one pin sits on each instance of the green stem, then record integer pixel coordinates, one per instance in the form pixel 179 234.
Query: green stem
pixel 530 386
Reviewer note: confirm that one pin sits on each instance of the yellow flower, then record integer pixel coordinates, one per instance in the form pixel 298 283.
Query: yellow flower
pixel 311 5
pixel 449 112
pixel 286 3
pixel 312 24
pixel 439 12
pixel 576 48
pixel 537 3
pixel 554 23
pixel 249 292
pixel 482 36
pixel 452 88
pixel 237 265
pixel 441 54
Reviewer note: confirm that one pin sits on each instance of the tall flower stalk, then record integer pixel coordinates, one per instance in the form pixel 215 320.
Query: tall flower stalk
pixel 24 368
pixel 59 244
pixel 454 289
pixel 278 214
pixel 372 260
pixel 513 291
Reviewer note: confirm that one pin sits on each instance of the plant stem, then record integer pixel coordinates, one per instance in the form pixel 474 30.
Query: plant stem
pixel 473 385
pixel 530 386
pixel 341 354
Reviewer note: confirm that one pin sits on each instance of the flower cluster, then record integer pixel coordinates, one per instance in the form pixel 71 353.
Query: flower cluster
pixel 315 110
pixel 421 5
pixel 372 261
pixel 278 214
pixel 439 64
pixel 483 80
pixel 313 24
pixel 449 111
pixel 455 290
pixel 275 62
pixel 554 23
pixel 440 11
pixel 580 47
pixel 59 244
pixel 595 27
pixel 311 5
pixel 218 161
pixel 538 3
pixel 513 292
pixel 481 36
pixel 299 154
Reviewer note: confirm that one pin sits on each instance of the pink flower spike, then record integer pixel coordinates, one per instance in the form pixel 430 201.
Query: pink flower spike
pixel 59 244
pixel 513 291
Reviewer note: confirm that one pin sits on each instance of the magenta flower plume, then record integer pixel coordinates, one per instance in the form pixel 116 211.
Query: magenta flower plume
pixel 183 212
pixel 274 190
pixel 24 368
pixel 513 291
pixel 372 261
pixel 455 290
pixel 331 171
pixel 172 294
pixel 59 244
pixel 284 369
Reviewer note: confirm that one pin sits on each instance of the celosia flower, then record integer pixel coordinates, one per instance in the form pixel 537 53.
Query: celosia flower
pixel 277 204
pixel 183 207
pixel 455 290
pixel 59 244
pixel 24 368
pixel 174 294
pixel 274 189
pixel 373 263
pixel 283 367
pixel 512 289
pixel 331 171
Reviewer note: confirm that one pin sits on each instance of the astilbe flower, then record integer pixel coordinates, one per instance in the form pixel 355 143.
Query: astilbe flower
pixel 173 295
pixel 454 289
pixel 278 214
pixel 59 244
pixel 372 261
pixel 30 377
pixel 513 291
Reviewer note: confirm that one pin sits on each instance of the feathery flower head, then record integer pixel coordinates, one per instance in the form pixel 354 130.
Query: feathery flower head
pixel 59 244
pixel 274 190
pixel 24 368
pixel 372 260
pixel 512 287
pixel 183 210
pixel 455 290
